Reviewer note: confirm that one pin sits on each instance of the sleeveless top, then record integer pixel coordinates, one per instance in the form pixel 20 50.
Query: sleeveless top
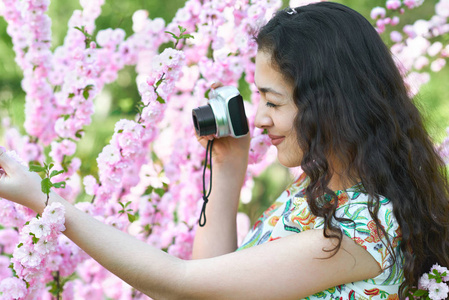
pixel 290 214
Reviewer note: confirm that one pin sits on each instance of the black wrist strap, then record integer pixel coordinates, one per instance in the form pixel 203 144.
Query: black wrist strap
pixel 202 220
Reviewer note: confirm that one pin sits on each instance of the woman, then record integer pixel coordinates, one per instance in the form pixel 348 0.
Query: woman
pixel 333 103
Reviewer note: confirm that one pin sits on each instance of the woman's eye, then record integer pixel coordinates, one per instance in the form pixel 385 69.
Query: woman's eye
pixel 269 104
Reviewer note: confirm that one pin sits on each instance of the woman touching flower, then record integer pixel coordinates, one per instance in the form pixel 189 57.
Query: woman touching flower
pixel 366 218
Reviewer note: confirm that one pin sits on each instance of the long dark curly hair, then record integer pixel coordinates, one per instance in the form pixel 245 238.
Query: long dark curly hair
pixel 353 107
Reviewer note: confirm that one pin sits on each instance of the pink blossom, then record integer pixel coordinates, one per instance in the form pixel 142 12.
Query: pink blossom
pixel 442 8
pixel 68 293
pixel 27 256
pixel 378 12
pixel 90 185
pixel 259 146
pixel 39 228
pixel 394 21
pixel 421 62
pixel 13 288
pixel 8 239
pixel 109 155
pixel 424 282
pixel 45 246
pixel 395 36
pixel 437 64
pixel 5 271
pixel 435 48
pixel 54 213
pixel 441 270
pixel 421 27
pixel 438 291
pixel 393 4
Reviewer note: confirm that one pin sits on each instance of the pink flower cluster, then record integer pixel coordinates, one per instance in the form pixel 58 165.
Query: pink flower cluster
pixel 30 29
pixel 34 255
pixel 418 47
pixel 435 282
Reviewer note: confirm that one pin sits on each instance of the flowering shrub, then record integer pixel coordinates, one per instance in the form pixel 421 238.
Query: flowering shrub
pixel 149 177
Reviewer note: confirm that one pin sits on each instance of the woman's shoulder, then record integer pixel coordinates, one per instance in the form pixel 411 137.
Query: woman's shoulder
pixel 369 221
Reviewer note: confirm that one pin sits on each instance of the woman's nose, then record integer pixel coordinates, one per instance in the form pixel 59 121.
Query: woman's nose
pixel 262 119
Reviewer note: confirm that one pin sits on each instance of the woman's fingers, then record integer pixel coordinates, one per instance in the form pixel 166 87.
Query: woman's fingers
pixel 216 85
pixel 6 163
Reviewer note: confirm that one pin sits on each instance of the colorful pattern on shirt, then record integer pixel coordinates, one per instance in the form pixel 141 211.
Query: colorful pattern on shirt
pixel 290 214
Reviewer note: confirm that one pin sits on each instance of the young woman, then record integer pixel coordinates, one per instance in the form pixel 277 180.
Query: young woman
pixel 366 219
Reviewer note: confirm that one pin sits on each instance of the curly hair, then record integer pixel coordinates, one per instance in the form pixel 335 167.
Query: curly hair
pixel 353 107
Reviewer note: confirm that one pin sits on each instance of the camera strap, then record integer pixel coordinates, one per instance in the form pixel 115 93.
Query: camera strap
pixel 202 220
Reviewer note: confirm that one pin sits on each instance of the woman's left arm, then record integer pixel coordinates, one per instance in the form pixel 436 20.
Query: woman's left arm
pixel 289 268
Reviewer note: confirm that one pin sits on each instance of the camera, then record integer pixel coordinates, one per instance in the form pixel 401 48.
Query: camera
pixel 224 114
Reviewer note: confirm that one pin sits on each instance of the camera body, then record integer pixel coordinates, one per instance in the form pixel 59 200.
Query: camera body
pixel 224 114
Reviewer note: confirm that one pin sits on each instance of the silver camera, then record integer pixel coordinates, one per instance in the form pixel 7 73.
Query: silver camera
pixel 224 114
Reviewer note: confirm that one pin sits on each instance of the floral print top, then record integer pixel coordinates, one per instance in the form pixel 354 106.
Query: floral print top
pixel 290 214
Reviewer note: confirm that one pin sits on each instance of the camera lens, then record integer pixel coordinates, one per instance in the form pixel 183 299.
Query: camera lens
pixel 204 120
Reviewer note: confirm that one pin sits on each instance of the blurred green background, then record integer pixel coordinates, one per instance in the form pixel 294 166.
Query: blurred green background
pixel 119 98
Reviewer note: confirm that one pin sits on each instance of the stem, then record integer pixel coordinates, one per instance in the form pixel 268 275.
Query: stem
pixel 58 285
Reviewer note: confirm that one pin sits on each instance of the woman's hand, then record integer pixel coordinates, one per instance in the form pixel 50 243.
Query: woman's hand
pixel 19 185
pixel 228 150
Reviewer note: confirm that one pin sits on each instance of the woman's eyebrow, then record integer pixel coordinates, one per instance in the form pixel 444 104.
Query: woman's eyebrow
pixel 268 90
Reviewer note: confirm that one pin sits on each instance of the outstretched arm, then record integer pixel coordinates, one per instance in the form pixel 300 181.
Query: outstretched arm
pixel 288 268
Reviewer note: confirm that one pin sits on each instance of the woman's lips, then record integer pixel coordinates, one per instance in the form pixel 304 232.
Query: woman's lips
pixel 276 139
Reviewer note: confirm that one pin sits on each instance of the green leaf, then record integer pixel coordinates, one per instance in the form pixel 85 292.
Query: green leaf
pixel 51 165
pixel 19 245
pixel 419 293
pixel 148 191
pixel 78 134
pixel 66 117
pixel 58 185
pixel 35 240
pixel 131 218
pixel 187 36
pixel 37 168
pixel 173 35
pixel 54 173
pixel 80 29
pixel 46 185
pixel 86 94
pixel 160 100
pixel 71 95
pixel 181 29
pixel 86 91
pixel 121 204
pixel 158 83
pixel 159 191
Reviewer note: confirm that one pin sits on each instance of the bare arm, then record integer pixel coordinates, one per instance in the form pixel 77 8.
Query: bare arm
pixel 219 235
pixel 289 268
pixel 230 161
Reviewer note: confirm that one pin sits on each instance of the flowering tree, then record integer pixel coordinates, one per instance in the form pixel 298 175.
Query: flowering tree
pixel 150 173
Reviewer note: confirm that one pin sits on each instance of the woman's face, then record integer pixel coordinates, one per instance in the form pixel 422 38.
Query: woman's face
pixel 276 111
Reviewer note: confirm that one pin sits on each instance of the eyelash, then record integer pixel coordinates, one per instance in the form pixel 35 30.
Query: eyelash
pixel 268 104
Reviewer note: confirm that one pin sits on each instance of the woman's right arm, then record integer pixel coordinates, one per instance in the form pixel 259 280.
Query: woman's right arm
pixel 219 235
